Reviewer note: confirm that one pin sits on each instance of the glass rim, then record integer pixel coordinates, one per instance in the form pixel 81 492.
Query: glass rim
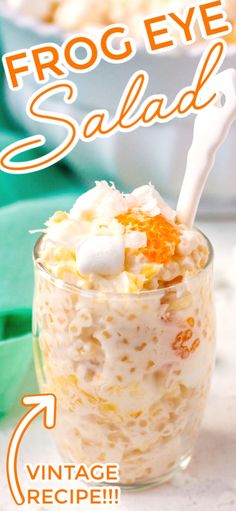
pixel 62 284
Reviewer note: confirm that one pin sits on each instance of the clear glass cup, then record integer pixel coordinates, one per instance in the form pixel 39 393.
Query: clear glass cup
pixel 131 372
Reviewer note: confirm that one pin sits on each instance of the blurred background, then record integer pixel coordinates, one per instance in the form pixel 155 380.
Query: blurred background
pixel 156 154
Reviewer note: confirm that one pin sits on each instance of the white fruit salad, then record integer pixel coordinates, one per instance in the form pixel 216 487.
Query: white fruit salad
pixel 124 331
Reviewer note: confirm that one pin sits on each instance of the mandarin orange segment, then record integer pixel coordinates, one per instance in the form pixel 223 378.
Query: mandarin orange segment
pixel 182 346
pixel 162 236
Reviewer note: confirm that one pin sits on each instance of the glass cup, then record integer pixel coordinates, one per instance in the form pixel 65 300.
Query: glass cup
pixel 131 372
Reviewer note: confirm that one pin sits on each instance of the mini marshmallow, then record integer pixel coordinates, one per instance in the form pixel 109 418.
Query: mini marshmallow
pixel 102 255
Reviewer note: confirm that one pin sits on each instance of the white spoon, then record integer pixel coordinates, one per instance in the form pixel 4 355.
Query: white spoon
pixel 210 131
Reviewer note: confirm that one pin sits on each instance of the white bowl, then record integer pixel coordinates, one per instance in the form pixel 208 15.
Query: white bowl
pixel 156 153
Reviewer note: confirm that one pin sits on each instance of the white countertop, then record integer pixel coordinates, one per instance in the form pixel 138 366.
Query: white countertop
pixel 210 481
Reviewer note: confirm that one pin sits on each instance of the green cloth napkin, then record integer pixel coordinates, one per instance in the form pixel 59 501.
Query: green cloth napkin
pixel 16 291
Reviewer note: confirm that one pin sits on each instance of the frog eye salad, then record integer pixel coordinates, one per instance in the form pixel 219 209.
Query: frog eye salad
pixel 121 242
pixel 124 331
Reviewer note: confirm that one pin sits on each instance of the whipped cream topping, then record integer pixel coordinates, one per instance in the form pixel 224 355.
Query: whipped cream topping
pixel 106 202
pixel 121 242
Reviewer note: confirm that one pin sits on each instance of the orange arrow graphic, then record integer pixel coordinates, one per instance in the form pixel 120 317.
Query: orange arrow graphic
pixel 40 403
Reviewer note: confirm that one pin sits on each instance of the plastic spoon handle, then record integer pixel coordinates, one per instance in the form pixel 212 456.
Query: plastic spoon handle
pixel 210 130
